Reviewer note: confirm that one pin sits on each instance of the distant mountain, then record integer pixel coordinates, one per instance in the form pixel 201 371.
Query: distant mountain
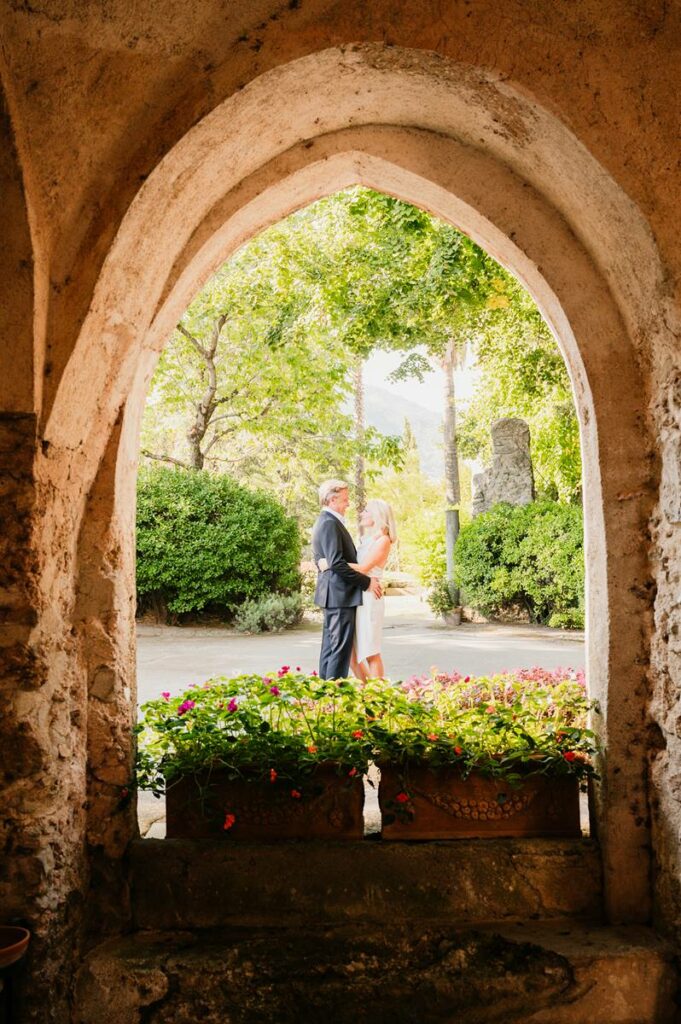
pixel 387 413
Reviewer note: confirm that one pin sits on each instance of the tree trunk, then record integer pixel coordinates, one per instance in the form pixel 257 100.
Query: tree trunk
pixel 452 486
pixel 205 408
pixel 360 482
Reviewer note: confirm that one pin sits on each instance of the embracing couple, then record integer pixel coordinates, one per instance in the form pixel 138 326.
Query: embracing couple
pixel 349 583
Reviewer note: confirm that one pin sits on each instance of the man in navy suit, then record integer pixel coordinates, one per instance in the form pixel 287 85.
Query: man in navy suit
pixel 339 588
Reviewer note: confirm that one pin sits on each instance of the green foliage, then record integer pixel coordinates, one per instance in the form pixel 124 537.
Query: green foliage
pixel 530 556
pixel 206 542
pixel 440 597
pixel 522 373
pixel 269 614
pixel 418 503
pixel 284 724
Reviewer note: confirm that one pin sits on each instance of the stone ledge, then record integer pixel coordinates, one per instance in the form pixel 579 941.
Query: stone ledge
pixel 184 884
pixel 399 975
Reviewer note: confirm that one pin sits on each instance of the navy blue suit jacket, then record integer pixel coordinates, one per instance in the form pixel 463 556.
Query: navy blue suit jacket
pixel 340 586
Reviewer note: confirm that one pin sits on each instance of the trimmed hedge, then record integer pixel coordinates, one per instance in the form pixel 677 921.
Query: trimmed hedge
pixel 208 543
pixel 530 556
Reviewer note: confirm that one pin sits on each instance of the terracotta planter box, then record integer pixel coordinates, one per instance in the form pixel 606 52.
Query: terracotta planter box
pixel 444 806
pixel 330 807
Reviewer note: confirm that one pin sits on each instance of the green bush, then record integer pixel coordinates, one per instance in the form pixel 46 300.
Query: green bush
pixel 530 556
pixel 208 543
pixel 270 614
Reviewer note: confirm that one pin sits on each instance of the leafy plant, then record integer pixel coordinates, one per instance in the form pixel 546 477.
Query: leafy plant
pixel 285 724
pixel 440 597
pixel 269 614
pixel 207 542
pixel 530 556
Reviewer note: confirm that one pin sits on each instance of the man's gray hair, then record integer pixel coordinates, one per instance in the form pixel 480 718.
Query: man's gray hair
pixel 329 488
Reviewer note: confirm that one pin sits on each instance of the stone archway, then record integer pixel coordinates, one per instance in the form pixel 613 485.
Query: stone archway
pixel 472 182
pixel 470 148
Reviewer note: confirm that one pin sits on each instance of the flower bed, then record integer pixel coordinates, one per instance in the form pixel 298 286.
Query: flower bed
pixel 293 740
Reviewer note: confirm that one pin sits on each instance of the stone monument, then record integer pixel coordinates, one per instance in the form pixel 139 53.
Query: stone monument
pixel 510 476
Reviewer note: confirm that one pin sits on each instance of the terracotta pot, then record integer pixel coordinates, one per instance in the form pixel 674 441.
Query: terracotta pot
pixel 444 806
pixel 13 944
pixel 329 807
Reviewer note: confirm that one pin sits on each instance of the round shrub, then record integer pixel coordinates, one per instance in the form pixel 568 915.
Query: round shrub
pixel 272 613
pixel 530 556
pixel 208 543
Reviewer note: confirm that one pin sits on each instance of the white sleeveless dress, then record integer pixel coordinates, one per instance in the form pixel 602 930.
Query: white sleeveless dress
pixel 371 612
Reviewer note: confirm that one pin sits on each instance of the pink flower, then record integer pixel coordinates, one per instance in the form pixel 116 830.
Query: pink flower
pixel 275 691
pixel 229 821
pixel 283 670
pixel 296 794
pixel 402 798
pixel 313 672
pixel 490 710
pixel 232 706
pixel 185 706
pixel 432 736
pixel 352 772
pixel 298 668
pixel 266 680
pixel 467 679
pixel 166 694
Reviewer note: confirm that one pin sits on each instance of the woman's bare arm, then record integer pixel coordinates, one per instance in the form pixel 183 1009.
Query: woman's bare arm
pixel 379 556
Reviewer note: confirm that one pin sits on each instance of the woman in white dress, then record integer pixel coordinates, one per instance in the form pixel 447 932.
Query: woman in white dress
pixel 378 523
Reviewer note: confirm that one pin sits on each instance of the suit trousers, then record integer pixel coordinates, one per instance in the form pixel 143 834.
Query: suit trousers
pixel 338 635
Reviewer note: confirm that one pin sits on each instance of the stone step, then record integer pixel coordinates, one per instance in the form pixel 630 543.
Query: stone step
pixel 178 884
pixel 427 974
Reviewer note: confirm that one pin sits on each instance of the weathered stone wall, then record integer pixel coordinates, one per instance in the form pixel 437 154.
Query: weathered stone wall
pixel 665 667
pixel 140 145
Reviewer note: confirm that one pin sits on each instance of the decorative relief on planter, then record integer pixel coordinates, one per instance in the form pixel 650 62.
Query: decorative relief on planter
pixel 423 805
pixel 213 807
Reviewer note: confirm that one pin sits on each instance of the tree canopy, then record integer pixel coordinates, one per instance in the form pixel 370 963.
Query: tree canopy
pixel 257 377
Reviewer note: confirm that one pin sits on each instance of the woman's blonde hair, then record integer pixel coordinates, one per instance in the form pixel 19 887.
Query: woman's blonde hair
pixel 382 514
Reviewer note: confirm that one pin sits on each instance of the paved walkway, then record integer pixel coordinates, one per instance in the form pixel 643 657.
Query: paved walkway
pixel 169 658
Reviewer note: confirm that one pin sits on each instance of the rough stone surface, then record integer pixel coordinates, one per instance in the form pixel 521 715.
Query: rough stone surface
pixel 465 881
pixel 224 118
pixel 396 975
pixel 510 477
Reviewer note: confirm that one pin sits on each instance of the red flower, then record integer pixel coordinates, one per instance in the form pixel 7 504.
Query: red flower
pixel 296 794
pixel 402 798
pixel 569 755
pixel 357 734
pixel 229 821
pixel 312 749
pixel 458 750
pixel 273 775
pixel 467 679
pixel 432 737
pixel 352 772
pixel 490 710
